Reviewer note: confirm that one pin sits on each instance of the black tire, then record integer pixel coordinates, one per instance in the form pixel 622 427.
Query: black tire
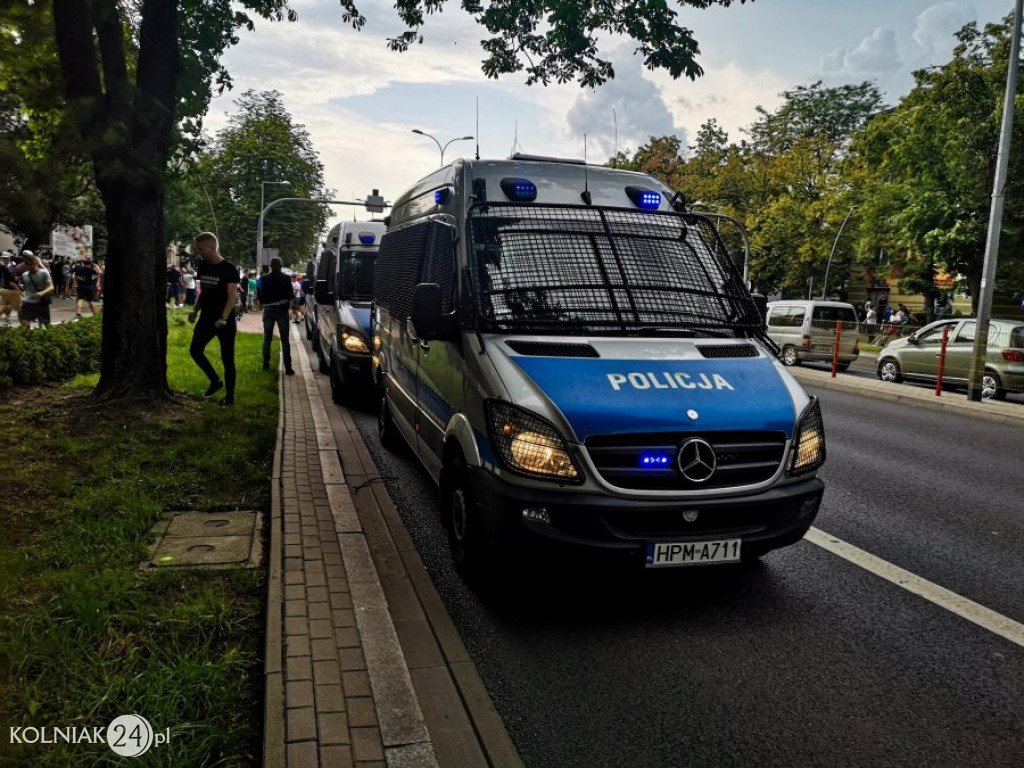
pixel 471 552
pixel 337 388
pixel 387 431
pixel 842 367
pixel 889 370
pixel 992 386
pixel 790 356
pixel 323 364
pixel 309 330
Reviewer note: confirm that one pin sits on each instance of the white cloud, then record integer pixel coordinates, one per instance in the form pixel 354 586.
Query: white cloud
pixel 638 105
pixel 933 33
pixel 876 54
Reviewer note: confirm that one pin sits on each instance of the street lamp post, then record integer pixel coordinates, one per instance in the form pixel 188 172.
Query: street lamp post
pixel 824 284
pixel 259 226
pixel 439 146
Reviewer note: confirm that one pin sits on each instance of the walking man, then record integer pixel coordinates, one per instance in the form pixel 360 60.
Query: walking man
pixel 216 310
pixel 35 304
pixel 276 293
pixel 86 276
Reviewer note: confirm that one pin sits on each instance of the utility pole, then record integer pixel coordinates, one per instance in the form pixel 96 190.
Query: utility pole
pixel 995 218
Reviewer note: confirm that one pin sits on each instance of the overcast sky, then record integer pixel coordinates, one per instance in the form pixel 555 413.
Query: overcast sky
pixel 360 101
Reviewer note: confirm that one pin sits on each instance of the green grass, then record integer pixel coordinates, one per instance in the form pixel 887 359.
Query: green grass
pixel 84 634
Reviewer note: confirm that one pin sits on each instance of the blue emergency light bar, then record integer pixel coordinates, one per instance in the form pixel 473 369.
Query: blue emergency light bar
pixel 520 190
pixel 647 199
pixel 367 238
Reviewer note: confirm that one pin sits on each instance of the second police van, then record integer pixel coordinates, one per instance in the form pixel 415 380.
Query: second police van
pixel 343 293
pixel 574 357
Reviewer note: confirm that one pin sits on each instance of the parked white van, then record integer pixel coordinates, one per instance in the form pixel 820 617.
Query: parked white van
pixel 805 331
pixel 343 299
pixel 574 357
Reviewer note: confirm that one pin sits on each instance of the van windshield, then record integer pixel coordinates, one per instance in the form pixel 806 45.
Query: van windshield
pixel 355 274
pixel 611 270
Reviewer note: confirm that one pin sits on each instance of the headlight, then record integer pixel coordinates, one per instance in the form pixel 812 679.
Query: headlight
pixel 809 443
pixel 354 343
pixel 529 444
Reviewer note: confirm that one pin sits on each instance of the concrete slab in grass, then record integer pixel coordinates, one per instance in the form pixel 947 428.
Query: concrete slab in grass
pixel 208 540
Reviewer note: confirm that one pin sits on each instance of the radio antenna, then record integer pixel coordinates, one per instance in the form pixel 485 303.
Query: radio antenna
pixel 585 195
pixel 615 121
pixel 477 127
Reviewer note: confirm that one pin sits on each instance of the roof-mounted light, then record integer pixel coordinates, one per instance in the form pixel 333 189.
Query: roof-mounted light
pixel 442 196
pixel 367 238
pixel 647 199
pixel 520 190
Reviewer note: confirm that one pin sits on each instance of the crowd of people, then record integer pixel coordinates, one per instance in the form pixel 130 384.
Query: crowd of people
pixel 30 282
pixel 183 290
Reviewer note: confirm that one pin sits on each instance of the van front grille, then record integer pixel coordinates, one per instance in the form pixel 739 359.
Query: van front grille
pixel 741 458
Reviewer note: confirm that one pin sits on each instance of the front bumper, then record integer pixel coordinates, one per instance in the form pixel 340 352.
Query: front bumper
pixel 354 370
pixel 764 521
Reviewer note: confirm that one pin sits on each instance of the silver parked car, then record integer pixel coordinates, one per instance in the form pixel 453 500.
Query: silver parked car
pixel 806 331
pixel 917 356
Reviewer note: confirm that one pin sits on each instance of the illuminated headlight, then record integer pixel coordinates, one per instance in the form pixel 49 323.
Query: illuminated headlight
pixel 809 445
pixel 353 343
pixel 529 444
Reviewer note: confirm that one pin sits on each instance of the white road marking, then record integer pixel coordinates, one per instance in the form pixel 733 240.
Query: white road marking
pixel 942 597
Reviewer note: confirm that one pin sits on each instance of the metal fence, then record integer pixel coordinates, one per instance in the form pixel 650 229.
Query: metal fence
pixel 594 268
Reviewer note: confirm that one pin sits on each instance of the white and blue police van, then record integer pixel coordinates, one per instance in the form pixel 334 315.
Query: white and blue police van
pixel 343 299
pixel 574 357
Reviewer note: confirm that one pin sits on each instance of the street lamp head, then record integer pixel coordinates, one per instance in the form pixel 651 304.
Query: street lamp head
pixel 465 138
pixel 417 130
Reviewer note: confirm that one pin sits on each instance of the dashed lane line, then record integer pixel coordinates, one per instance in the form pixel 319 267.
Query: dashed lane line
pixel 940 596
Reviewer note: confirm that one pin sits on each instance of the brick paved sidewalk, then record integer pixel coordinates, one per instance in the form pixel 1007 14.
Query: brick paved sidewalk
pixel 338 691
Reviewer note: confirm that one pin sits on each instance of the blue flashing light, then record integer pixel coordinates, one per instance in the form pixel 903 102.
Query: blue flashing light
pixel 655 460
pixel 647 199
pixel 520 190
pixel 439 197
pixel 366 238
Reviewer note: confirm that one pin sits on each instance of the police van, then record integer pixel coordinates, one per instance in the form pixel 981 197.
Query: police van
pixel 574 357
pixel 342 302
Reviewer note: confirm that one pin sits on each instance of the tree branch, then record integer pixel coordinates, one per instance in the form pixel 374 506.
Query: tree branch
pixel 110 32
pixel 73 32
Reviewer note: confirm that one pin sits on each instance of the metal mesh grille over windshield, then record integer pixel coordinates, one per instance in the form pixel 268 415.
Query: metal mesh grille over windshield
pixel 543 266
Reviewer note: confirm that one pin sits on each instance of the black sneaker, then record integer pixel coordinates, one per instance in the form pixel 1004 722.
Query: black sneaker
pixel 289 372
pixel 227 402
pixel 213 389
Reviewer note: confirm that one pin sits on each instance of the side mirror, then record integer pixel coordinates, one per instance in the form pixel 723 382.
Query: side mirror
pixel 321 293
pixel 426 310
pixel 761 302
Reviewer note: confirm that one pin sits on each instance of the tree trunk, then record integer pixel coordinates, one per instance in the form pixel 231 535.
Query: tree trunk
pixel 134 357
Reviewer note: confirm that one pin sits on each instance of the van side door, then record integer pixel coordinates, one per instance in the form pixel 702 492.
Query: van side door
pixel 439 368
pixel 396 275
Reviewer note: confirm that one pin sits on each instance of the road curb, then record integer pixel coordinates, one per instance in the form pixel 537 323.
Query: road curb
pixel 274 755
pixel 997 412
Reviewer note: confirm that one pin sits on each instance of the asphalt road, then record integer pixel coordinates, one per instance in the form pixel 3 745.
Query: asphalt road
pixel 804 659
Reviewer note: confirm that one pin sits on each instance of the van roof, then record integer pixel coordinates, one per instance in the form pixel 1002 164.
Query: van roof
pixel 557 181
pixel 808 302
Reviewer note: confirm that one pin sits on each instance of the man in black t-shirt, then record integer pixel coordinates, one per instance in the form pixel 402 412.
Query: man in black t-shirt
pixel 86 274
pixel 173 283
pixel 218 279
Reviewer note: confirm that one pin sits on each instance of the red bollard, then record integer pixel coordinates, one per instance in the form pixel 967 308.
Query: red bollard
pixel 942 361
pixel 835 347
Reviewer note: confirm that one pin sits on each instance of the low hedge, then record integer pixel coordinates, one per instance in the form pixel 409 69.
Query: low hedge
pixel 34 355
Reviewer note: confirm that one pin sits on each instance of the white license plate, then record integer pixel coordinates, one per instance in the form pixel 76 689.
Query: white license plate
pixel 666 554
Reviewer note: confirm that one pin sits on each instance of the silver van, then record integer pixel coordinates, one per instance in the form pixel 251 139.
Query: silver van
pixel 343 306
pixel 805 331
pixel 574 357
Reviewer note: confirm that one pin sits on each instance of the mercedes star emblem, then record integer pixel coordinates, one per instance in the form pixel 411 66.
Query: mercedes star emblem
pixel 697 460
pixel 693 415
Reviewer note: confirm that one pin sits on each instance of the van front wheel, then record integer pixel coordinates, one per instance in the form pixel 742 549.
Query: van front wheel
pixel 387 432
pixel 790 356
pixel 466 540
